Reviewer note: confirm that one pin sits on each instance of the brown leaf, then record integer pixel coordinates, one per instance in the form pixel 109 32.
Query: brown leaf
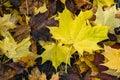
pixel 51 5
pixel 20 32
pixel 104 76
pixel 85 63
pixel 81 66
pixel 8 71
pixel 71 6
pixel 33 46
pixel 116 46
pixel 37 75
pixel 38 25
pixel 15 3
pixel 17 66
pixel 99 58
pixel 74 76
pixel 28 6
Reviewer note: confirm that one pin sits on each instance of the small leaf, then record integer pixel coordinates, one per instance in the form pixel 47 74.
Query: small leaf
pixel 41 9
pixel 56 53
pixel 37 75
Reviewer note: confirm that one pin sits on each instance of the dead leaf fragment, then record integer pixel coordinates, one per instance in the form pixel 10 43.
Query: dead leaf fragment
pixel 55 76
pixel 37 75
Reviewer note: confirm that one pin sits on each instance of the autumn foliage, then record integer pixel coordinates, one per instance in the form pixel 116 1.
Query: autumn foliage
pixel 59 40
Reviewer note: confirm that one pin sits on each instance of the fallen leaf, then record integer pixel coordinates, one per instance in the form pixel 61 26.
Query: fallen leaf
pixel 55 76
pixel 55 53
pixel 38 25
pixel 18 50
pixel 76 32
pixel 112 57
pixel 37 75
pixel 107 18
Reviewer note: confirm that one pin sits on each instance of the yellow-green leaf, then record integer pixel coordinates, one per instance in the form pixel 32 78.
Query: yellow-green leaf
pixel 107 18
pixel 14 50
pixel 77 31
pixel 56 53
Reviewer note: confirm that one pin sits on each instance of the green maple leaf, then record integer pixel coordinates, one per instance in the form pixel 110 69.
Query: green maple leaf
pixel 107 18
pixel 56 53
pixel 78 32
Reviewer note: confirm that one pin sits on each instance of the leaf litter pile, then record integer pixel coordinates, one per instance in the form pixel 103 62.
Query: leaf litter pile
pixel 59 40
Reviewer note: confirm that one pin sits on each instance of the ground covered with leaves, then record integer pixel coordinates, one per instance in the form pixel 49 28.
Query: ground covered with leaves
pixel 59 40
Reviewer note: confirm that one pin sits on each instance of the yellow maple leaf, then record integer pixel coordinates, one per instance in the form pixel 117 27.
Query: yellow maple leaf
pixel 78 32
pixel 113 58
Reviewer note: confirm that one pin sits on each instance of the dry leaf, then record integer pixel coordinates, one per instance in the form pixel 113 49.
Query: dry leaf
pixel 37 75
pixel 55 76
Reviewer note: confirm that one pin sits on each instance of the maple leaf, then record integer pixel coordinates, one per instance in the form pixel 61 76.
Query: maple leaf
pixel 11 49
pixel 113 57
pixel 78 31
pixel 55 52
pixel 107 18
